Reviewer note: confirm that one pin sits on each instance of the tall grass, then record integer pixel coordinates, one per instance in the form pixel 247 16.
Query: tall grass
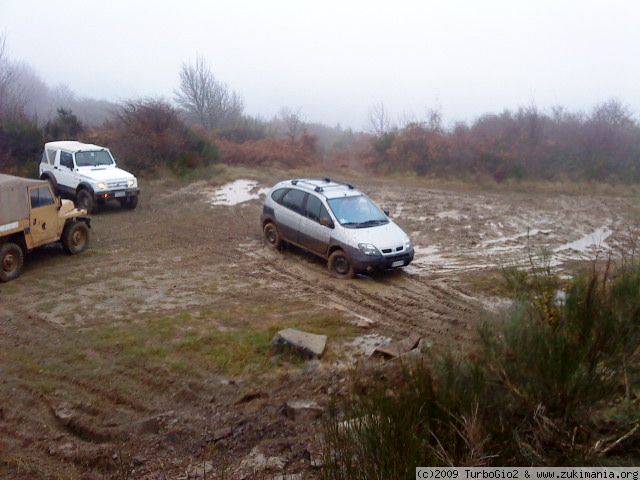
pixel 554 382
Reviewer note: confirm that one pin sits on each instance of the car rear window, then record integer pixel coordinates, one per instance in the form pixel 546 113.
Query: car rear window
pixel 278 194
pixel 294 199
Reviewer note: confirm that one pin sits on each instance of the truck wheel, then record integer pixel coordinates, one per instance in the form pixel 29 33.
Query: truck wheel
pixel 11 261
pixel 272 236
pixel 75 237
pixel 85 200
pixel 340 266
pixel 130 203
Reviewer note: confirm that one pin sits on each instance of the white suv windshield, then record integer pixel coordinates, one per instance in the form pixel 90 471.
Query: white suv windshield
pixel 357 212
pixel 93 159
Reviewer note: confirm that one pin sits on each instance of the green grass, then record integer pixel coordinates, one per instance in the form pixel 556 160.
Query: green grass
pixel 233 341
pixel 549 384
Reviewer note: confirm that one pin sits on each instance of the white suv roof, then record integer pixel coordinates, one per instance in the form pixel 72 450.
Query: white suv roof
pixel 73 146
pixel 326 187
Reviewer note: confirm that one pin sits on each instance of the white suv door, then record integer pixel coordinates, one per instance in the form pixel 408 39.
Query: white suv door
pixel 64 170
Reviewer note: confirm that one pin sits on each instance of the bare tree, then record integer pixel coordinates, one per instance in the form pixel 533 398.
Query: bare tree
pixel 379 119
pixel 434 120
pixel 4 74
pixel 11 98
pixel 208 101
pixel 292 123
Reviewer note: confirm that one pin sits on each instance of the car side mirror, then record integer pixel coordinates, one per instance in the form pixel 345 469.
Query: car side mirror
pixel 326 222
pixel 386 211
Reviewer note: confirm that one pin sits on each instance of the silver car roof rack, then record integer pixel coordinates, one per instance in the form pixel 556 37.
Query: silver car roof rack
pixel 318 188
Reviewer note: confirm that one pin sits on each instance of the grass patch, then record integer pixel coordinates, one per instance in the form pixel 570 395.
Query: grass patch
pixel 551 383
pixel 234 341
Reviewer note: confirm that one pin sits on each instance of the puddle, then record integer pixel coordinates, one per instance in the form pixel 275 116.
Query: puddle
pixel 594 240
pixel 516 237
pixel 238 191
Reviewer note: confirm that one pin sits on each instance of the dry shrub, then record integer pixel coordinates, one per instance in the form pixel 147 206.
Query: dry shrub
pixel 534 392
pixel 149 136
pixel 268 152
pixel 527 143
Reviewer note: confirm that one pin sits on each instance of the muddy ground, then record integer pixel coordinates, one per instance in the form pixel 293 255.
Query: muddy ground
pixel 148 356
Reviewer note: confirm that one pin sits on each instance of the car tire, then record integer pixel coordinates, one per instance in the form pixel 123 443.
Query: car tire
pixel 75 237
pixel 272 236
pixel 11 261
pixel 130 203
pixel 84 200
pixel 340 266
pixel 52 183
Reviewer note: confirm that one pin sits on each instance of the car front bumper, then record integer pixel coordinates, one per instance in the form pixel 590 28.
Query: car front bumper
pixel 116 194
pixel 371 263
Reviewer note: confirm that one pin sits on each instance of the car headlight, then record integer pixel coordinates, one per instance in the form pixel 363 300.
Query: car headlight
pixel 368 249
pixel 102 186
pixel 132 183
pixel 407 243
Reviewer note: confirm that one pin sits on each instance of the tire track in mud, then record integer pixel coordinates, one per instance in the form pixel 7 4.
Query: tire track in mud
pixel 400 303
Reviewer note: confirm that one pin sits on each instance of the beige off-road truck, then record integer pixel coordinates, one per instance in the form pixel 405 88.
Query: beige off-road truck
pixel 32 216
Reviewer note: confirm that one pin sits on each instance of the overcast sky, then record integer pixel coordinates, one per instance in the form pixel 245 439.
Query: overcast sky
pixel 334 59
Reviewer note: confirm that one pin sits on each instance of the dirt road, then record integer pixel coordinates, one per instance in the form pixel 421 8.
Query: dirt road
pixel 149 353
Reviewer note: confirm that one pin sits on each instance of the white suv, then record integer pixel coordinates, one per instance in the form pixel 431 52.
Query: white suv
pixel 336 222
pixel 88 174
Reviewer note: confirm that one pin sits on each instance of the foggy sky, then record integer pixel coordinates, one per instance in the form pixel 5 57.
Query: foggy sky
pixel 334 59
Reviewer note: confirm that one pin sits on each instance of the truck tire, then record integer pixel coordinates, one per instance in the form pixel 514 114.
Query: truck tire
pixel 130 203
pixel 11 261
pixel 84 200
pixel 340 266
pixel 75 237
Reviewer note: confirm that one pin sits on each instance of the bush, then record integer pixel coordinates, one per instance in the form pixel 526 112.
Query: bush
pixel 66 126
pixel 268 152
pixel 528 143
pixel 148 135
pixel 244 129
pixel 21 145
pixel 539 390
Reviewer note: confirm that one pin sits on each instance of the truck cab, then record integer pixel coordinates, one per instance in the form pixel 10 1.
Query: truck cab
pixel 88 174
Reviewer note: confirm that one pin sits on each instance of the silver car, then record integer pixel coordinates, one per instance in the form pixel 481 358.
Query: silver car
pixel 336 222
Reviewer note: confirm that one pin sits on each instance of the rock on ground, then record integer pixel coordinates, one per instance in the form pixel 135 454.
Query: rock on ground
pixel 302 410
pixel 395 349
pixel 304 343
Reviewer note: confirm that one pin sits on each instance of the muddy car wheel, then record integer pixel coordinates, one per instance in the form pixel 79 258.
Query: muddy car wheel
pixel 85 200
pixel 340 266
pixel 11 261
pixel 272 236
pixel 75 237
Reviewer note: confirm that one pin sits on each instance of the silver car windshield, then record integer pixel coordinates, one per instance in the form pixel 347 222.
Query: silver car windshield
pixel 93 159
pixel 357 212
